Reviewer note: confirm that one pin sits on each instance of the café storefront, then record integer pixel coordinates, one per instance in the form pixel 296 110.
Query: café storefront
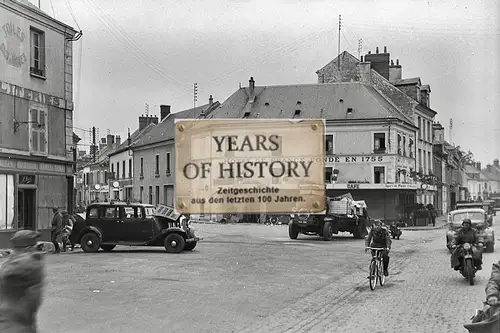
pixel 28 191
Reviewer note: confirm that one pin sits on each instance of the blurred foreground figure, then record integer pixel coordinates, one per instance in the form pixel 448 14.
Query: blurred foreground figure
pixel 22 279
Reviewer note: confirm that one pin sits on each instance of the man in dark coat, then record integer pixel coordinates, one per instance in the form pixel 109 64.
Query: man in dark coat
pixel 467 234
pixel 380 237
pixel 22 280
pixel 57 225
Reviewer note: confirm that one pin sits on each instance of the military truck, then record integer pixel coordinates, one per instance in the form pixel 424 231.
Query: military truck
pixel 343 214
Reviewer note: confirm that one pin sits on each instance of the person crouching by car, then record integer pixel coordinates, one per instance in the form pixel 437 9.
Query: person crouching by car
pixel 68 222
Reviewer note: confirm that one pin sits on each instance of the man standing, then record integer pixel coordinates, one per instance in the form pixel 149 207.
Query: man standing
pixel 56 229
pixel 22 280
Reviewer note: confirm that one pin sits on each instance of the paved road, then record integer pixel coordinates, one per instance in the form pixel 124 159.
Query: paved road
pixel 252 278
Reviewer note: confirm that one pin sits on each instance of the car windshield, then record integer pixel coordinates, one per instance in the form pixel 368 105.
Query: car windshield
pixel 475 217
pixel 149 211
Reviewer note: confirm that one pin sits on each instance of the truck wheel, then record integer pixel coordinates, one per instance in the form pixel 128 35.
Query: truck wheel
pixel 174 243
pixel 90 242
pixel 293 230
pixel 327 231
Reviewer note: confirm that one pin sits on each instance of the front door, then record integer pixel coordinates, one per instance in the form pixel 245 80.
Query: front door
pixel 26 209
pixel 136 227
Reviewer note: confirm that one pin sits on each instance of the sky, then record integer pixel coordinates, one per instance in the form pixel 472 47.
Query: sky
pixel 134 53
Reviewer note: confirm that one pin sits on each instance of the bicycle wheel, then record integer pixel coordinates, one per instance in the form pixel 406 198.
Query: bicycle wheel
pixel 373 274
pixel 380 273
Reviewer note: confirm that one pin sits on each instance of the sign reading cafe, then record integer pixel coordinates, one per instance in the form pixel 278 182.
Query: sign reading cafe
pixel 11 46
pixel 252 157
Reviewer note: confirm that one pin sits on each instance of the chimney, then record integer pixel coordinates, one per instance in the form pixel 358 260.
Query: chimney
pixel 395 71
pixel 164 111
pixel 495 162
pixel 376 50
pixel 364 70
pixel 144 121
pixel 110 139
pixel 211 100
pixel 129 138
pixel 251 88
pixel 385 49
pixel 118 140
pixel 478 165
pixel 488 168
pixel 437 133
pixel 380 62
pixel 425 98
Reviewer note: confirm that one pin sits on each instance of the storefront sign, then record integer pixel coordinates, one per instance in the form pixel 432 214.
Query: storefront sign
pixel 357 159
pixel 27 165
pixel 7 163
pixel 27 179
pixel 361 186
pixel 11 46
pixel 255 156
pixel 31 95
pixel 52 167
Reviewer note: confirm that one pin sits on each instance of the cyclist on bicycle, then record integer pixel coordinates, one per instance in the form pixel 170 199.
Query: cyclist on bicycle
pixel 379 237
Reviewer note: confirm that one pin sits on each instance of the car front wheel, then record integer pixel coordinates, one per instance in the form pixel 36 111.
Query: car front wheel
pixel 174 243
pixel 90 242
pixel 190 246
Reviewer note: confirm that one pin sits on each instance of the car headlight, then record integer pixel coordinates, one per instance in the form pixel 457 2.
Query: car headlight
pixel 466 246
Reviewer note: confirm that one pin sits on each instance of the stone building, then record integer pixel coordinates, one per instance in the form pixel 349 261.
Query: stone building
pixel 36 118
pixel 409 96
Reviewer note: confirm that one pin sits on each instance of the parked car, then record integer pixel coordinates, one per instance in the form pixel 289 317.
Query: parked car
pixel 479 221
pixel 134 224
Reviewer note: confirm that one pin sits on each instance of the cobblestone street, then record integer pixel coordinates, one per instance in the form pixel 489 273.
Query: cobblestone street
pixel 253 278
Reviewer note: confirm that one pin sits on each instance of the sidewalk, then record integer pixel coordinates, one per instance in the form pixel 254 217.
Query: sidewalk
pixel 440 224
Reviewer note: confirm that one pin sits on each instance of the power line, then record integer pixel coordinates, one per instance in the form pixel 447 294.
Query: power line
pixel 71 13
pixel 53 11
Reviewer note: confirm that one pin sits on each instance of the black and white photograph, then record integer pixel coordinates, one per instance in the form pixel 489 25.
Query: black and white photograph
pixel 249 166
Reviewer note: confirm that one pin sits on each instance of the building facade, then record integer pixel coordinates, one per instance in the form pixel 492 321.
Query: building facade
pixel 121 162
pixel 36 118
pixel 409 96
pixel 368 140
pixel 154 156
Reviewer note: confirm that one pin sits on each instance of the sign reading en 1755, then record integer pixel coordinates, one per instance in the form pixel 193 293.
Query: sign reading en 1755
pixel 249 166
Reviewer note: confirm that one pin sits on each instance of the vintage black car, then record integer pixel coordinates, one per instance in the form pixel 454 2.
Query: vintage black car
pixel 109 224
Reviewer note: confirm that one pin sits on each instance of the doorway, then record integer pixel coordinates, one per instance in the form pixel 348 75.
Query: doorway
pixel 26 209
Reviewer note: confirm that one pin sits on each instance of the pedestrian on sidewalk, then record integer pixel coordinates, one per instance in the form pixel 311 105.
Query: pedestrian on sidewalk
pixel 432 214
pixel 68 222
pixel 22 280
pixel 57 226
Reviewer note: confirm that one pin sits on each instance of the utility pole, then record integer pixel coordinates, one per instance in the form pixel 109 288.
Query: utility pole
pixel 360 47
pixel 94 148
pixel 340 25
pixel 195 97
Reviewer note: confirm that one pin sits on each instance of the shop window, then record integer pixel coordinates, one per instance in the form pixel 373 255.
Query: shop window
pixel 38 130
pixel 7 202
pixel 37 56
pixel 379 143
pixel 328 175
pixel 379 175
pixel 329 144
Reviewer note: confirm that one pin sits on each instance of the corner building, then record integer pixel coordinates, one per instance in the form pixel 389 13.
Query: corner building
pixel 36 118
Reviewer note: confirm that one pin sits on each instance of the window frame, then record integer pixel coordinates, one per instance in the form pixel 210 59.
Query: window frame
pixel 38 128
pixel 141 168
pixel 382 181
pixel 168 163
pixel 39 70
pixel 157 165
pixel 375 140
pixel 329 138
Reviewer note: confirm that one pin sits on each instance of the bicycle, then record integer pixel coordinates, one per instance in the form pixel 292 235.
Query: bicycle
pixel 376 268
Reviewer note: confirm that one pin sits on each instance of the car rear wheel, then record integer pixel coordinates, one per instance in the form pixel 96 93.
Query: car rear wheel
pixel 107 248
pixel 174 243
pixel 190 246
pixel 90 242
pixel 293 231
